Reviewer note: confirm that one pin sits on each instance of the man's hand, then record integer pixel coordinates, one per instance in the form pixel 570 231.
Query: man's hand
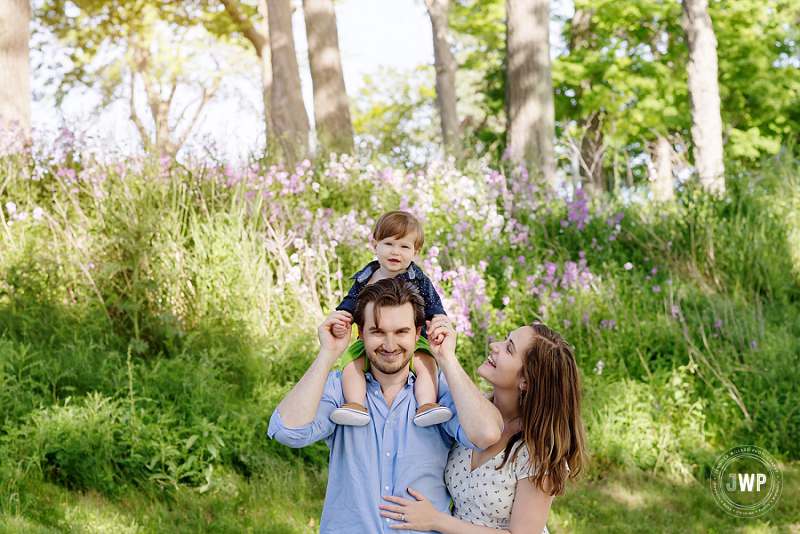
pixel 334 332
pixel 441 336
pixel 299 406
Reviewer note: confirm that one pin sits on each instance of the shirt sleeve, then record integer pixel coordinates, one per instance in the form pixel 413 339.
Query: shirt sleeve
pixel 452 427
pixel 348 303
pixel 320 428
pixel 433 304
pixel 521 467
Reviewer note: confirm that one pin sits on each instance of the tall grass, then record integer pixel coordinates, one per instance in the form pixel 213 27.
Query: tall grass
pixel 153 313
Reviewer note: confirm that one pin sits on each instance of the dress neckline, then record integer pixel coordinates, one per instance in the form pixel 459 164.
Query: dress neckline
pixel 473 469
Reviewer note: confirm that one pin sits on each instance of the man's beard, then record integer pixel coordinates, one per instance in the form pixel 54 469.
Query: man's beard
pixel 388 368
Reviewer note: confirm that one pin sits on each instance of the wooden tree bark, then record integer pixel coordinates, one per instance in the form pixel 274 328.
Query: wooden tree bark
pixel 288 110
pixel 529 85
pixel 661 181
pixel 15 16
pixel 446 67
pixel 259 38
pixel 704 103
pixel 331 105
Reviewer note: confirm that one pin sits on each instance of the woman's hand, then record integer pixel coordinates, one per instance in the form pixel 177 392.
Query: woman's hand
pixel 411 515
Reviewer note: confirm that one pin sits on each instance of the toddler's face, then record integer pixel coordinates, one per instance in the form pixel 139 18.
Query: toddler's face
pixel 395 254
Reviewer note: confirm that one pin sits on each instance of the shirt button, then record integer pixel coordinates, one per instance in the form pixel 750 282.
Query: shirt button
pixel 388 454
pixel 386 488
pixel 387 519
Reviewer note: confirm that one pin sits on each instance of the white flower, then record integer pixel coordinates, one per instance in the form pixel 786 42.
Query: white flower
pixel 598 368
pixel 38 213
pixel 628 266
pixel 294 258
pixel 11 207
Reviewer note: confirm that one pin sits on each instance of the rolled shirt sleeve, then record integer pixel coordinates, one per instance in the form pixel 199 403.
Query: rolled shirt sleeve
pixel 320 428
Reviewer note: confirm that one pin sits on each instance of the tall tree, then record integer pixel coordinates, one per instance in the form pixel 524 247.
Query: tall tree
pixel 446 67
pixel 15 16
pixel 704 103
pixel 121 48
pixel 331 105
pixel 529 85
pixel 288 110
pixel 258 35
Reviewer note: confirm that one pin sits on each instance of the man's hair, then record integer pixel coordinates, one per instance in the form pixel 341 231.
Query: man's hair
pixel 389 293
pixel 399 224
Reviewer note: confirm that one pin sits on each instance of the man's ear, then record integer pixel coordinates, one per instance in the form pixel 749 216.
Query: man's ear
pixel 419 329
pixel 360 336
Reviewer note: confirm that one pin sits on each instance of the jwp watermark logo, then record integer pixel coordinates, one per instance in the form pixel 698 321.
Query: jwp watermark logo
pixel 746 481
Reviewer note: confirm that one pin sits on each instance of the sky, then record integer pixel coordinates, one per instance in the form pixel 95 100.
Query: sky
pixel 372 34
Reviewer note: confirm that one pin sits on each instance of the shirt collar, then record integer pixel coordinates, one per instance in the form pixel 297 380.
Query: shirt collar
pixel 371 379
pixel 364 274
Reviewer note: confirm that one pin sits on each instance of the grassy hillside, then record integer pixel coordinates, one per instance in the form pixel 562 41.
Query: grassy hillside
pixel 152 314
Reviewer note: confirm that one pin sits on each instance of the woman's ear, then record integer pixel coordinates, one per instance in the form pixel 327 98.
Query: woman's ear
pixel 523 386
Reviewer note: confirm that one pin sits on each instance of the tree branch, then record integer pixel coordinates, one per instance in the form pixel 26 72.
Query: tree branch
pixel 245 26
pixel 137 121
pixel 206 97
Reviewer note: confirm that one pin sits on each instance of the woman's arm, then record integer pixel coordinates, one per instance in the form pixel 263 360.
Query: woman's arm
pixel 528 514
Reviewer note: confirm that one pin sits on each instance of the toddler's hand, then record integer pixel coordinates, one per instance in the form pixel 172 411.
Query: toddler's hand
pixel 340 330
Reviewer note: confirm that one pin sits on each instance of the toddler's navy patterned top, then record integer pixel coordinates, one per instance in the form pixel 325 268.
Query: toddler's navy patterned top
pixel 433 304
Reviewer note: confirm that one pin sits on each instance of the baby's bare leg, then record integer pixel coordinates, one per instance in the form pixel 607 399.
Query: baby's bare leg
pixel 354 385
pixel 426 388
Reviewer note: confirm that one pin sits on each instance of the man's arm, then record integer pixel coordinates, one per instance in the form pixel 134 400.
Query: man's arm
pixel 478 417
pixel 299 406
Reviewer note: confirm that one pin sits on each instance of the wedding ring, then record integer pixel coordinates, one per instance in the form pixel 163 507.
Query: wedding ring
pixel 402 517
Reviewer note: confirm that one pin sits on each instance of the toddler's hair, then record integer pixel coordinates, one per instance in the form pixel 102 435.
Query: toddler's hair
pixel 399 224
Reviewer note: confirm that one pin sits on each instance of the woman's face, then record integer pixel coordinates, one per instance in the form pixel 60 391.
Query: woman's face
pixel 503 366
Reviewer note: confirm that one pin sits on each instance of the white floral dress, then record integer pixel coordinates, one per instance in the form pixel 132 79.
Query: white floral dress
pixel 484 496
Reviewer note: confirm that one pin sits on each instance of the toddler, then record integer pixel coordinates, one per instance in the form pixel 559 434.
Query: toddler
pixel 397 238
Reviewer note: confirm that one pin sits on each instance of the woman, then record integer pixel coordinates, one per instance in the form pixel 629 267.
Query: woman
pixel 510 485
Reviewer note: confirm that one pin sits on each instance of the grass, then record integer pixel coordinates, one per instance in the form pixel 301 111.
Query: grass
pixel 154 316
pixel 617 501
pixel 636 501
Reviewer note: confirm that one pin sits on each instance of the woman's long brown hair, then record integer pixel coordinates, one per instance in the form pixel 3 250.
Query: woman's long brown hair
pixel 552 428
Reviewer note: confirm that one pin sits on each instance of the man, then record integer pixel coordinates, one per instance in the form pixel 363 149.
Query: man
pixel 390 454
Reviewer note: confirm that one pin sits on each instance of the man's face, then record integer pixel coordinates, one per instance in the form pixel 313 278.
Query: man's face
pixel 389 345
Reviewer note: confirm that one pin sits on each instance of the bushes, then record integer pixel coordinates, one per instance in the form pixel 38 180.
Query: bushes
pixel 153 314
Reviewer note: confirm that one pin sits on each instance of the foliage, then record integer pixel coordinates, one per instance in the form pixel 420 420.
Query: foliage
pixel 120 48
pixel 626 68
pixel 153 313
pixel 394 118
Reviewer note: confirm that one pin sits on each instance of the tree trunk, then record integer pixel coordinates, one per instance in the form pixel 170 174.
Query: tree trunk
pixel 660 169
pixel 704 103
pixel 592 151
pixel 259 38
pixel 529 85
pixel 288 110
pixel 15 94
pixel 331 105
pixel 446 67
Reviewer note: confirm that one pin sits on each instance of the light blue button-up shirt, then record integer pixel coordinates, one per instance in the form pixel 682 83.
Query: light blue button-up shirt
pixel 385 457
